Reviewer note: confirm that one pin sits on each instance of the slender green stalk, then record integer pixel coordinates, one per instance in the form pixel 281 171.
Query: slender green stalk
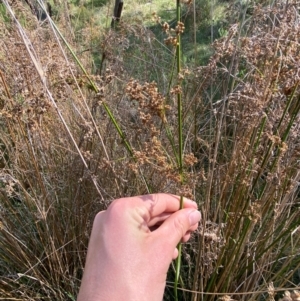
pixel 180 140
pixel 96 90
pixel 93 85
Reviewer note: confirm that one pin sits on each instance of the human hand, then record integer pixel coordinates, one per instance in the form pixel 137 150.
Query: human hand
pixel 132 245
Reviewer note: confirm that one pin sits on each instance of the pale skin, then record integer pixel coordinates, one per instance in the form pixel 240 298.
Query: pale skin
pixel 132 245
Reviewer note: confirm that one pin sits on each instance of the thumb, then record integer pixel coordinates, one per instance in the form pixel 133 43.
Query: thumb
pixel 178 224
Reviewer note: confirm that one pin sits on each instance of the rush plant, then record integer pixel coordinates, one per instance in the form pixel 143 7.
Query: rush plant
pixel 225 134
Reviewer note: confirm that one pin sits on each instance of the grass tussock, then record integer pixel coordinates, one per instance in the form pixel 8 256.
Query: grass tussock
pixel 71 141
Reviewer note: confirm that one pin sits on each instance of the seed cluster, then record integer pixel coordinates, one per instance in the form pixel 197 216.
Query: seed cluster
pixel 152 114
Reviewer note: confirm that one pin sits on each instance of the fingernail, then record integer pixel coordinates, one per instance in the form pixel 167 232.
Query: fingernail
pixel 194 217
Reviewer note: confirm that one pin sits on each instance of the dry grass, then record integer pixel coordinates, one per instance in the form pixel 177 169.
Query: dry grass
pixel 62 159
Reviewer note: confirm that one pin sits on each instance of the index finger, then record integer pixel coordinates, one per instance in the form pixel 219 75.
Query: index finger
pixel 159 203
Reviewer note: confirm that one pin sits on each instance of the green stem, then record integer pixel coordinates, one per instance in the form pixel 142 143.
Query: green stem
pixel 180 142
pixel 177 271
pixel 93 85
pixel 96 90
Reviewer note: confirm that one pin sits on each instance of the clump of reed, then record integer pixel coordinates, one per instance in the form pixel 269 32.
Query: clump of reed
pixel 72 141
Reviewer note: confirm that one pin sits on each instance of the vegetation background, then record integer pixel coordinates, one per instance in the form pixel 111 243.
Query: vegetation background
pixel 88 113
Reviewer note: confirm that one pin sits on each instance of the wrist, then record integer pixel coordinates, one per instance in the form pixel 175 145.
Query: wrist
pixel 110 287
